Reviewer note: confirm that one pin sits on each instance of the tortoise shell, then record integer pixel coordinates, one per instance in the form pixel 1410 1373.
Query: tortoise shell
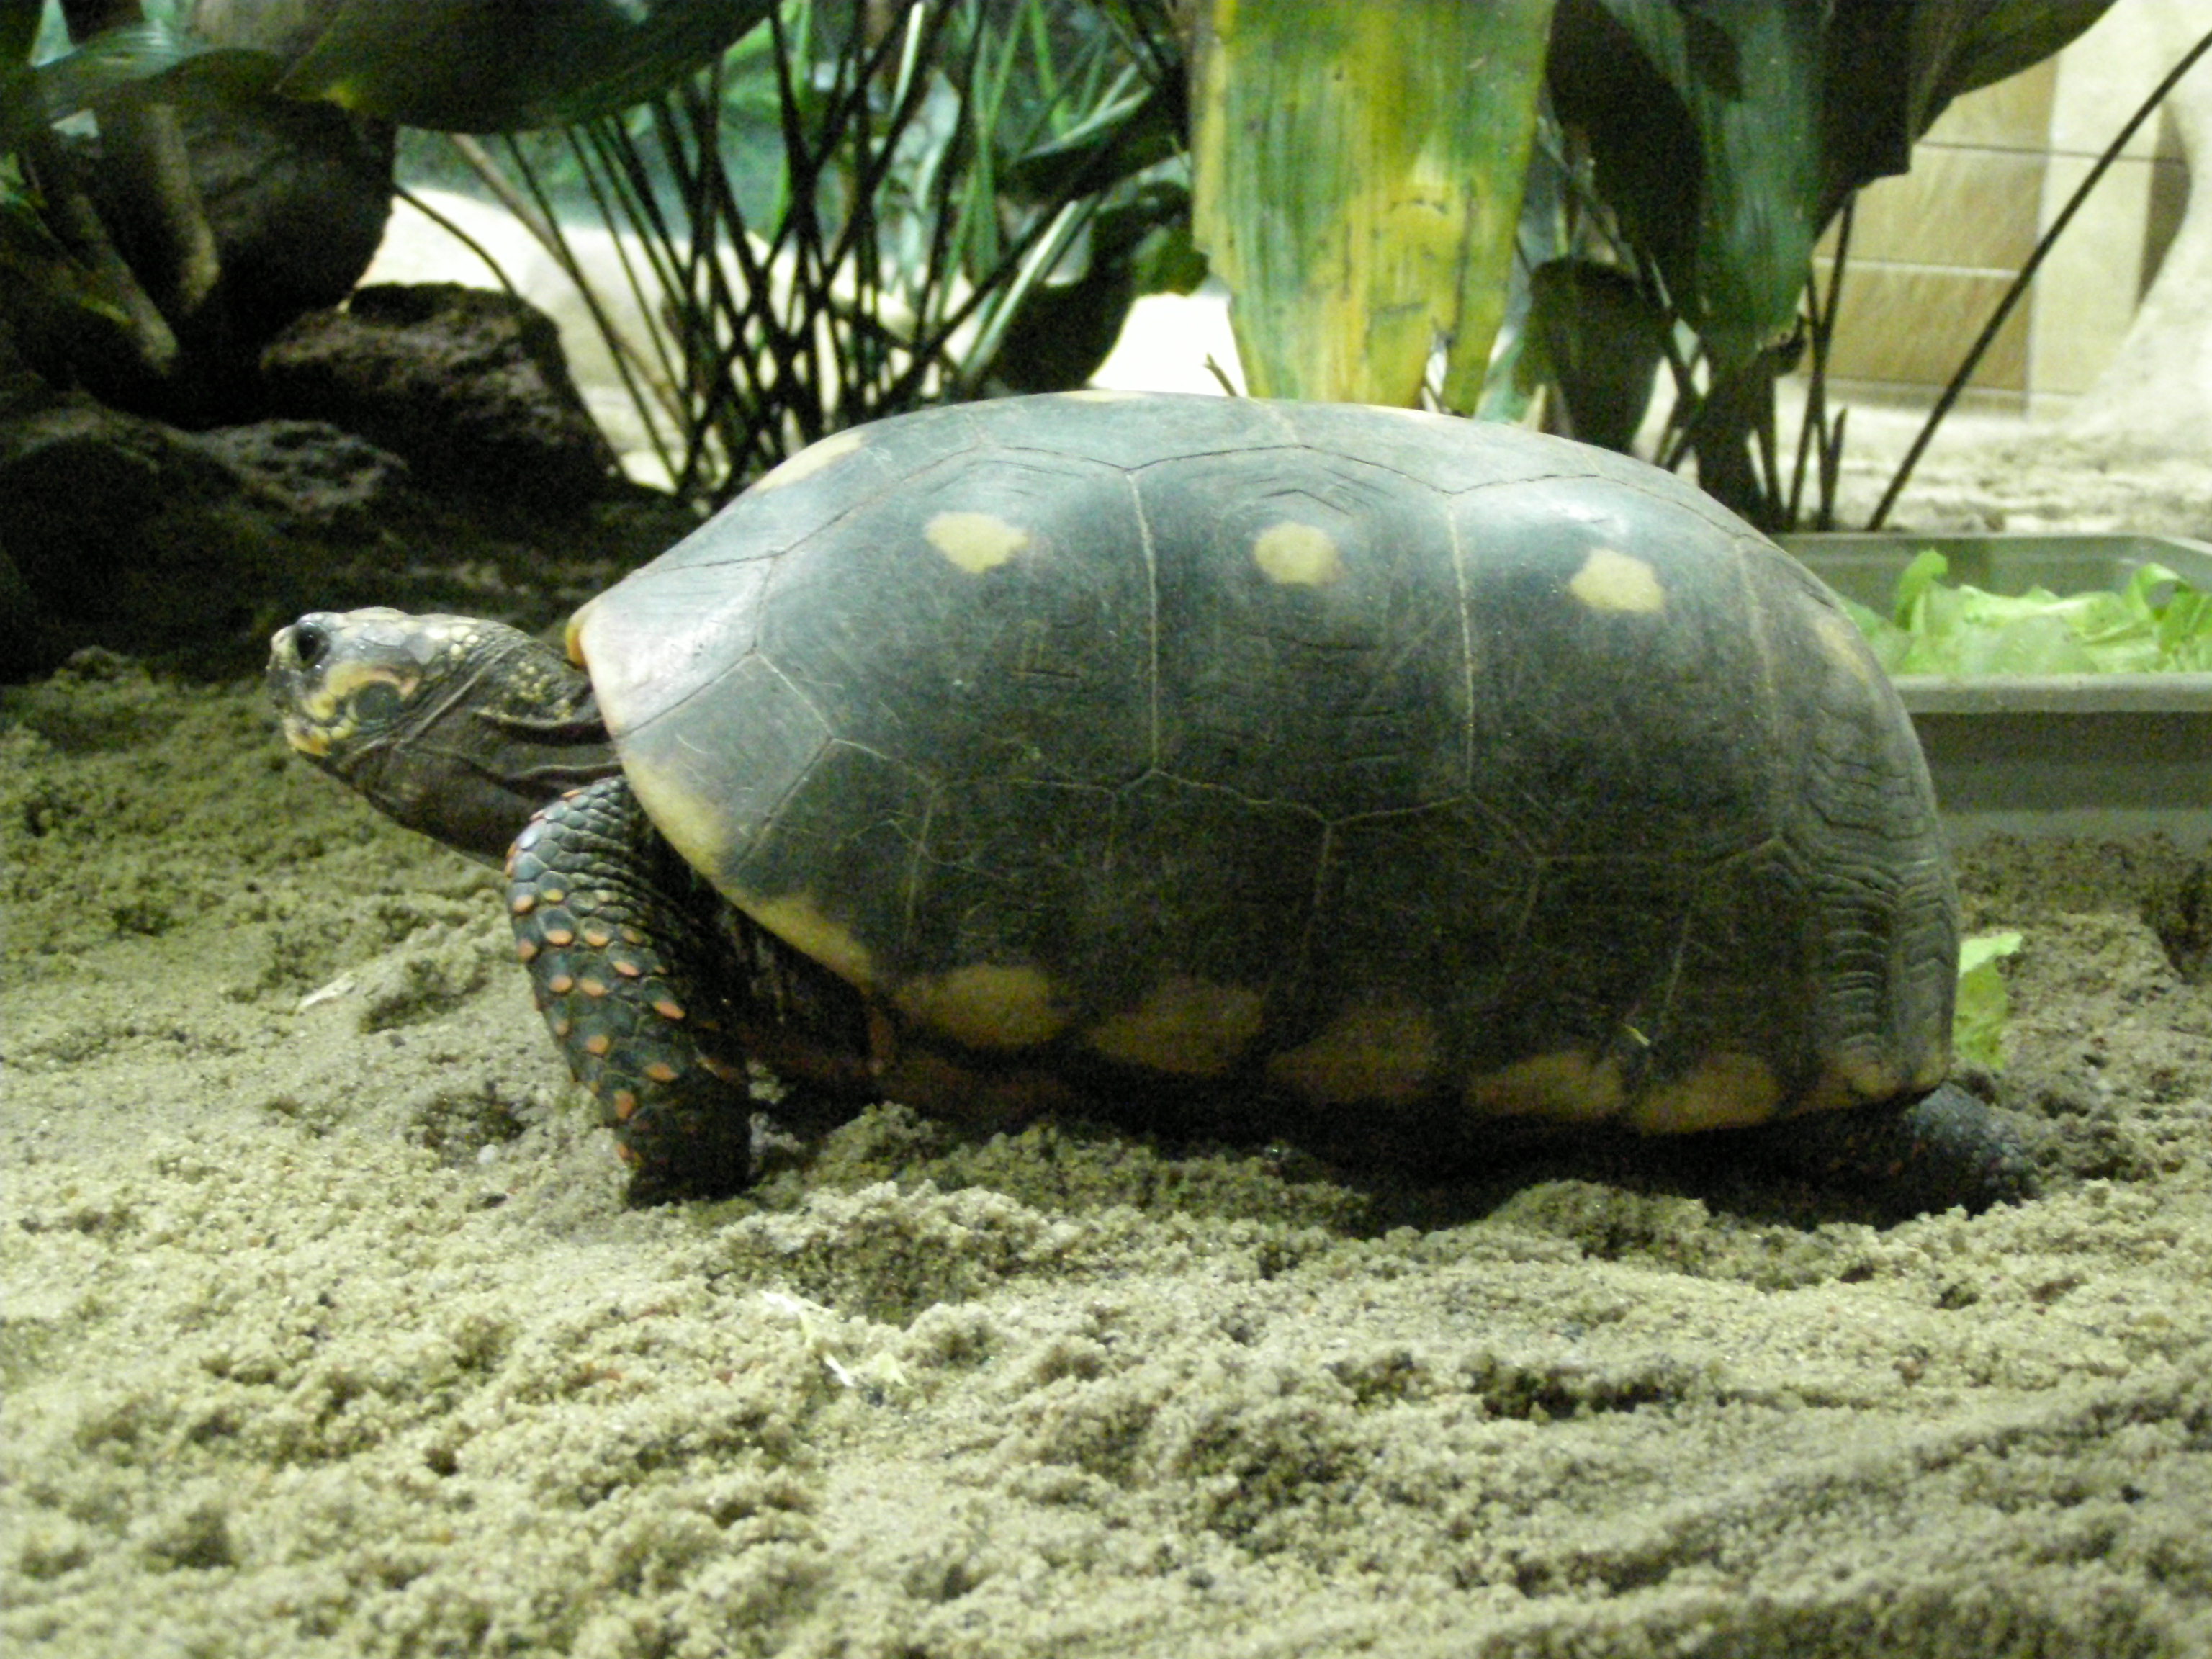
pixel 1365 754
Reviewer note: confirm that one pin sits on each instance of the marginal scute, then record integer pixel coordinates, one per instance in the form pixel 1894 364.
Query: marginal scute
pixel 799 922
pixel 1186 1028
pixel 1721 1092
pixel 1567 1086
pixel 1612 580
pixel 811 460
pixel 975 542
pixel 1845 646
pixel 1935 1066
pixel 941 1085
pixel 1849 1081
pixel 696 826
pixel 1301 555
pixel 1383 1051
pixel 986 1005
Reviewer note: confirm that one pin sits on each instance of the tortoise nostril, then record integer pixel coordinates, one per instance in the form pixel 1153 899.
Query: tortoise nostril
pixel 311 642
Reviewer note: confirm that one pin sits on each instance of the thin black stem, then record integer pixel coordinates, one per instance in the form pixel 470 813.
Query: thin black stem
pixel 1958 383
pixel 1815 425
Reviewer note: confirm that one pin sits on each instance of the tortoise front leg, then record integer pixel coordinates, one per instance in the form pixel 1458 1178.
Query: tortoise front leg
pixel 635 980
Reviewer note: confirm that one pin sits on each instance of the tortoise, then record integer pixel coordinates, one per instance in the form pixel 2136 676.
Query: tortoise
pixel 1381 779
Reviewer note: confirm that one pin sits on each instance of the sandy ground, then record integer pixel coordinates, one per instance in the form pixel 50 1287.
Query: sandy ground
pixel 326 1331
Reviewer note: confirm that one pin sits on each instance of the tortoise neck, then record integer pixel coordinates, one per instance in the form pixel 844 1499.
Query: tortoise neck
pixel 515 729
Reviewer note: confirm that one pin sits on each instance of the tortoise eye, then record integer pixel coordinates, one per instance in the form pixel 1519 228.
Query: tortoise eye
pixel 311 643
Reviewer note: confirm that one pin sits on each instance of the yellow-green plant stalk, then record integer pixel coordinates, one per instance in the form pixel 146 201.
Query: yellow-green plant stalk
pixel 1356 183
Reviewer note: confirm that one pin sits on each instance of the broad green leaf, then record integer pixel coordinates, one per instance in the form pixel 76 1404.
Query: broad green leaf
pixel 1977 1021
pixel 1726 133
pixel 495 66
pixel 1357 180
pixel 1122 136
pixel 19 29
pixel 1704 122
pixel 1593 333
pixel 1894 66
pixel 22 111
pixel 110 63
pixel 1962 44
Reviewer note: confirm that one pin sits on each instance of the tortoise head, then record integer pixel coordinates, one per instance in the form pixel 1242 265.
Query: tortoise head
pixel 455 727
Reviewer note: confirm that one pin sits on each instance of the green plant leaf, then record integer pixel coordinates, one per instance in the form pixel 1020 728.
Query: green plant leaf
pixel 19 29
pixel 1725 134
pixel 1357 176
pixel 1704 124
pixel 495 66
pixel 1124 135
pixel 2157 624
pixel 1928 568
pixel 1894 66
pixel 111 63
pixel 1593 333
pixel 1977 1021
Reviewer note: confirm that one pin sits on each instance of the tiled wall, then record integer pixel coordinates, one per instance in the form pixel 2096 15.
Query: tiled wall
pixel 1932 251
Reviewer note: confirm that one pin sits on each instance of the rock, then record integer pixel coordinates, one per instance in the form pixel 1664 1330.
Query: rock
pixel 188 548
pixel 2154 401
pixel 296 196
pixel 469 386
pixel 313 472
pixel 295 192
pixel 131 534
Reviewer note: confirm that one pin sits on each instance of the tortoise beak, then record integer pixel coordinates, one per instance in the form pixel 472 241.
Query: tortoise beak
pixel 294 655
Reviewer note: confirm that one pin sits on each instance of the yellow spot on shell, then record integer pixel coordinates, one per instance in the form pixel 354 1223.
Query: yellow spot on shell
pixel 695 825
pixel 1613 581
pixel 799 922
pixel 1934 1067
pixel 986 1005
pixel 1381 1052
pixel 1848 1080
pixel 1846 646
pixel 1186 1027
pixel 976 542
pixel 1568 1087
pixel 1722 1091
pixel 811 460
pixel 1302 554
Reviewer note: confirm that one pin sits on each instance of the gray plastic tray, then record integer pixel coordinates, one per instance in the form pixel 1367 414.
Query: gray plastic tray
pixel 2047 755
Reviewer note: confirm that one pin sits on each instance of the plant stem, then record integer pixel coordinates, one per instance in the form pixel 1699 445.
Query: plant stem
pixel 1958 382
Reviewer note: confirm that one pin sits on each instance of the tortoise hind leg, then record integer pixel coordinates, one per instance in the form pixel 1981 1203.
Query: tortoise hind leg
pixel 634 977
pixel 1909 1156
